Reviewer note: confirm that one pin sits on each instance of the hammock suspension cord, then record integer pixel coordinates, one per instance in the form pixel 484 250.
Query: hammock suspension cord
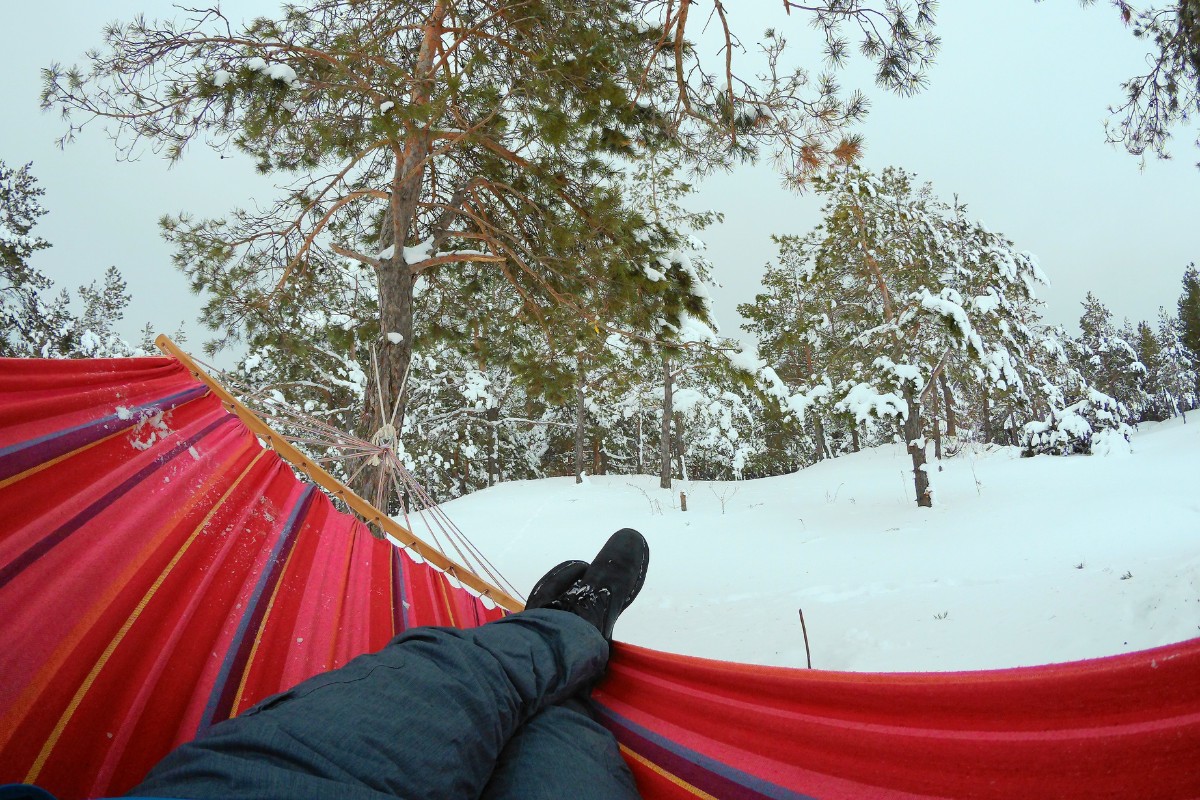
pixel 354 456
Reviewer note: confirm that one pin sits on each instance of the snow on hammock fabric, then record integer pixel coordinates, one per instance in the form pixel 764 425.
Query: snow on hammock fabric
pixel 159 571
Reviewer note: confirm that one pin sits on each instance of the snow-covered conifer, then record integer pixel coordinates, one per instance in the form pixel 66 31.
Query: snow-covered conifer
pixel 893 292
pixel 32 321
pixel 1108 358
pixel 1176 371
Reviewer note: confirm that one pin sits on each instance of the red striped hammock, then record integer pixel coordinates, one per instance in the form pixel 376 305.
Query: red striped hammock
pixel 160 570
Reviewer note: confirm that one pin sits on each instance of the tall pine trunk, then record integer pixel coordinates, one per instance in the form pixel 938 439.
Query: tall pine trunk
pixel 987 414
pixel 493 460
pixel 386 401
pixel 580 419
pixel 823 451
pixel 916 447
pixel 937 427
pixel 664 471
pixel 639 467
pixel 948 398
pixel 396 321
pixel 677 446
pixel 599 460
pixel 818 427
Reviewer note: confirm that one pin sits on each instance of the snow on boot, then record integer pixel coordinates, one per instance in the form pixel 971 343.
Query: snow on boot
pixel 555 583
pixel 611 582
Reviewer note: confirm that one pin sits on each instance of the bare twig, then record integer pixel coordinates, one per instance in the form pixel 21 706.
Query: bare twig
pixel 804 628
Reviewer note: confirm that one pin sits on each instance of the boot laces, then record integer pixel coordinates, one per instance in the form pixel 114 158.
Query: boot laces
pixel 587 601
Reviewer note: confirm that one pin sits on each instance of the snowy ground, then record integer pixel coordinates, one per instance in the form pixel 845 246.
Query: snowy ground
pixel 1022 561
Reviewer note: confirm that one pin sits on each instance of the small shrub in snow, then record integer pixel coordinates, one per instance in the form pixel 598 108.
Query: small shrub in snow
pixel 1093 425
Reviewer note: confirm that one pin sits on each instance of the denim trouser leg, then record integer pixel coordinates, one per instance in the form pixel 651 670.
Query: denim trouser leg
pixel 562 753
pixel 425 717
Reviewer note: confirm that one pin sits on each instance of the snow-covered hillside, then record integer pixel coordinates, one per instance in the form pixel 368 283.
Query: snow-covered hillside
pixel 1022 561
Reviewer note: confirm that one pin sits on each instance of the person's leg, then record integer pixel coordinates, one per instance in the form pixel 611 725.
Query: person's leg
pixel 562 752
pixel 426 717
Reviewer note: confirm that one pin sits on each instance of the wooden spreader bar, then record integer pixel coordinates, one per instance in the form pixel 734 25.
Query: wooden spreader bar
pixel 317 474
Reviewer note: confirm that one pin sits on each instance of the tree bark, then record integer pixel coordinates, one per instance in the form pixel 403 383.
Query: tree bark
pixel 855 442
pixel 664 471
pixel 952 423
pixel 580 418
pixel 916 448
pixel 823 451
pixel 462 469
pixel 951 420
pixel 937 428
pixel 677 446
pixel 987 414
pixel 386 396
pixel 873 266
pixel 639 465
pixel 394 273
pixel 396 316
pixel 386 402
pixel 493 465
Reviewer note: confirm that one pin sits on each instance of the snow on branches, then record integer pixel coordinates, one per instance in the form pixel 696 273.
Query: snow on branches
pixel 1094 424
pixel 895 293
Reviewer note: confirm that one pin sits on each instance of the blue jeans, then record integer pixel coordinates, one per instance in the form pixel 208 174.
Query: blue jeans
pixel 492 712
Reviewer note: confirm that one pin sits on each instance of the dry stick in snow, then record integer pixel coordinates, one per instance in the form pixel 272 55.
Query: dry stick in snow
pixel 804 628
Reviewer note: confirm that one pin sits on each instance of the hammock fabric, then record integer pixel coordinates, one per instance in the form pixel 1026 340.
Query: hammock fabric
pixel 160 571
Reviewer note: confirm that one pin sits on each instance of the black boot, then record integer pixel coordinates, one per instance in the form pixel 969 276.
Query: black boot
pixel 554 583
pixel 610 583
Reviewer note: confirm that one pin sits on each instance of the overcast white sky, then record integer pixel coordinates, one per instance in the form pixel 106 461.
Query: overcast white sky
pixel 1011 123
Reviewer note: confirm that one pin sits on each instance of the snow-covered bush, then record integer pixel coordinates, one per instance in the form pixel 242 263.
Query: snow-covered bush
pixel 715 424
pixel 1095 424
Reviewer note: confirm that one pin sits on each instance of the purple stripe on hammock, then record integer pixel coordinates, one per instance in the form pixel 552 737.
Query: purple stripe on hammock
pixel 707 774
pixel 48 542
pixel 220 701
pixel 22 456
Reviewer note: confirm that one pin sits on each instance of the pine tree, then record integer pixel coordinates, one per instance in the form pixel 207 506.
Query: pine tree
pixel 1108 358
pixel 796 334
pixel 1070 416
pixel 32 323
pixel 1157 404
pixel 1177 369
pixel 718 408
pixel 410 150
pixel 868 315
pixel 103 306
pixel 1189 313
pixel 999 284
pixel 20 283
pixel 1077 410
pixel 670 316
pixel 1169 94
pixel 470 423
pixel 419 137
